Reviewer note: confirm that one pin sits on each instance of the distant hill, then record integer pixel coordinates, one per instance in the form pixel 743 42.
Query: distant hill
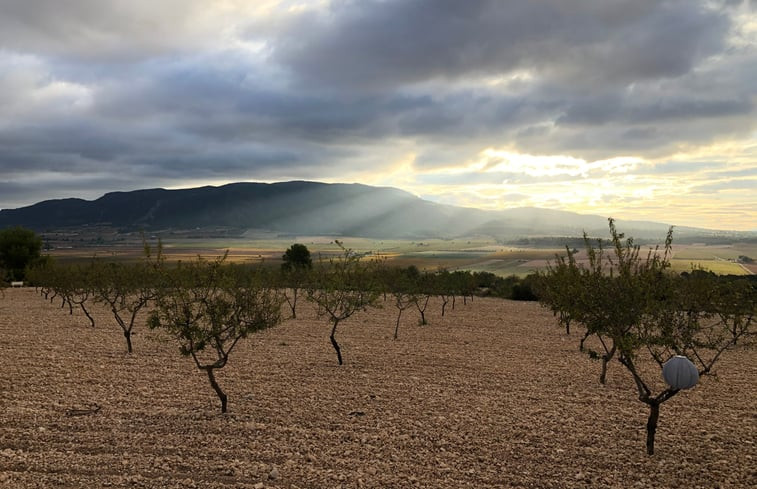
pixel 301 208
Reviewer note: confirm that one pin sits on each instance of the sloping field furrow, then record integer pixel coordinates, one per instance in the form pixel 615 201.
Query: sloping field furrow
pixel 494 394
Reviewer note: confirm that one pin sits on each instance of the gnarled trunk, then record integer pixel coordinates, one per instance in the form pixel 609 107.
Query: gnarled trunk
pixel 397 326
pixel 86 312
pixel 127 335
pixel 216 387
pixel 335 344
pixel 654 414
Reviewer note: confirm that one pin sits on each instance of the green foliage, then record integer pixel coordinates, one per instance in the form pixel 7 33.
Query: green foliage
pixel 208 307
pixel 525 289
pixel 296 257
pixel 19 249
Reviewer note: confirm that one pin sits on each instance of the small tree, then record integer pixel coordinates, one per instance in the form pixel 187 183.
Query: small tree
pixel 559 289
pixel 400 285
pixel 297 256
pixel 19 248
pixel 82 289
pixel 341 287
pixel 606 296
pixel 423 288
pixel 294 273
pixel 208 307
pixel 444 287
pixel 125 289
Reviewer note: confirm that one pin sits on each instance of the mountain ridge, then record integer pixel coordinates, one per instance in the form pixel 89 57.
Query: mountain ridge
pixel 303 207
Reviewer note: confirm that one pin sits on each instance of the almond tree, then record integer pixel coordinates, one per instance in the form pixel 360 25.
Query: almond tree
pixel 423 289
pixel 208 307
pixel 400 285
pixel 340 287
pixel 645 314
pixel 698 319
pixel 82 289
pixel 126 289
pixel 604 296
pixel 444 288
pixel 73 283
pixel 559 292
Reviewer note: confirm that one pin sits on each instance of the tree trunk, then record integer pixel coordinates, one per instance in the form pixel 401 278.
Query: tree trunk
pixel 293 303
pixel 654 414
pixel 217 388
pixel 444 305
pixel 86 312
pixel 335 344
pixel 422 310
pixel 581 345
pixel 127 335
pixel 603 374
pixel 397 327
pixel 566 321
pixel 605 360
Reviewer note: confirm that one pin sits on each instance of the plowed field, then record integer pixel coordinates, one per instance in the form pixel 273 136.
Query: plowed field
pixel 493 394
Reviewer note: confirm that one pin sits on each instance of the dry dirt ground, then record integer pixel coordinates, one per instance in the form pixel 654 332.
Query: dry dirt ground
pixel 494 394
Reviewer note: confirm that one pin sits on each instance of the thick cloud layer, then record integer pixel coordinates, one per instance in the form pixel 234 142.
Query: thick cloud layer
pixel 99 96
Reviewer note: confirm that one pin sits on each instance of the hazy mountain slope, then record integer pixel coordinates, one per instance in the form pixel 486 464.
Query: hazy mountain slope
pixel 311 208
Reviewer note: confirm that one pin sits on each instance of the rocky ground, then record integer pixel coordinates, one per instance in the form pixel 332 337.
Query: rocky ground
pixel 494 394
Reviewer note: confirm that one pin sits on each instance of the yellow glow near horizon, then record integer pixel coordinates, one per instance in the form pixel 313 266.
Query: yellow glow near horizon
pixel 553 165
pixel 694 187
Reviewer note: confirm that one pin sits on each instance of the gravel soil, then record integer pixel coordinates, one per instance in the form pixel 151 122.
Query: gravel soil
pixel 493 394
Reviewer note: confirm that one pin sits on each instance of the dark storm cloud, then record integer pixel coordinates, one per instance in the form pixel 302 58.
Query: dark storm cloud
pixel 603 110
pixel 373 44
pixel 83 139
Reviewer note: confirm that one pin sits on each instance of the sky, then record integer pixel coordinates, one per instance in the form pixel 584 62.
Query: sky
pixel 634 109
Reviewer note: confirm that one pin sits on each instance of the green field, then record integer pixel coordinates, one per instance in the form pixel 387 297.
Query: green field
pixel 720 259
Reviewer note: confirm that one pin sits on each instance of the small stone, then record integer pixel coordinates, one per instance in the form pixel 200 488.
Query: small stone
pixel 259 485
pixel 274 474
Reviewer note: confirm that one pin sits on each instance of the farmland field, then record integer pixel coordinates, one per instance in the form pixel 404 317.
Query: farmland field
pixel 494 394
pixel 475 253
